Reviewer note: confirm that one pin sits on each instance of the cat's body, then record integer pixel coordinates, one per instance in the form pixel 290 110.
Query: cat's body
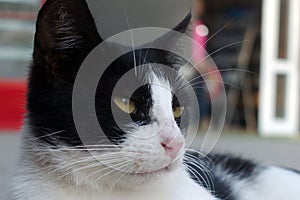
pixel 145 157
pixel 227 178
pixel 36 186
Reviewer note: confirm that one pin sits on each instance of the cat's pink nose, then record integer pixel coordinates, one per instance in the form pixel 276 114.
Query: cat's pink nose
pixel 172 146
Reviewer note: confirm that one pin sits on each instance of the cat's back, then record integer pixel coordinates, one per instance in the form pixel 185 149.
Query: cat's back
pixel 233 178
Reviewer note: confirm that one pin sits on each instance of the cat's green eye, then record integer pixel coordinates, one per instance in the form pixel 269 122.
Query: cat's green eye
pixel 178 111
pixel 126 105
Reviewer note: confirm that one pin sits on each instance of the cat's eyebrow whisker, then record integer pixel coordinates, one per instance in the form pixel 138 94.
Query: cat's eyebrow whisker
pixel 239 70
pixel 200 83
pixel 215 52
pixel 211 37
pixel 132 42
pixel 220 30
pixel 218 72
pixel 188 85
pixel 230 69
pixel 221 48
pixel 204 87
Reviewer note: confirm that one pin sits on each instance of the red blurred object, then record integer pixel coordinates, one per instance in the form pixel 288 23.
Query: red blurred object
pixel 43 1
pixel 17 15
pixel 12 104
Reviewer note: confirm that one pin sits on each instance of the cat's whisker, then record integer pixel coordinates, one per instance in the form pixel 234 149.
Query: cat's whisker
pixel 72 149
pixel 115 168
pixel 125 174
pixel 94 149
pixel 200 179
pixel 199 165
pixel 93 162
pixel 202 168
pixel 200 154
pixel 86 165
pixel 206 177
pixel 96 145
pixel 44 136
pixel 139 154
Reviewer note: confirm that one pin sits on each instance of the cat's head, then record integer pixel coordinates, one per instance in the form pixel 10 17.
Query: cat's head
pixel 147 140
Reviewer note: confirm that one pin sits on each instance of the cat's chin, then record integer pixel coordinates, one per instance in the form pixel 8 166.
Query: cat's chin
pixel 141 180
pixel 155 172
pixel 137 179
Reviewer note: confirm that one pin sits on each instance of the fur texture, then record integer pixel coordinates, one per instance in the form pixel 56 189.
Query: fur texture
pixel 147 158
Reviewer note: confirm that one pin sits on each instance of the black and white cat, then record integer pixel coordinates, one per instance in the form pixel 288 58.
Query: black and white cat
pixel 55 164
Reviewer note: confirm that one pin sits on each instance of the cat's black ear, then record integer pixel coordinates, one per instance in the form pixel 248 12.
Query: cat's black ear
pixel 65 34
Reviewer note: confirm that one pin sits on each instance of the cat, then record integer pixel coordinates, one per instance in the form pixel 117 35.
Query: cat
pixel 56 164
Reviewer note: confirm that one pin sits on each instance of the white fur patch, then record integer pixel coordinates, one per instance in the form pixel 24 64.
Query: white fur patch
pixel 272 184
pixel 162 98
pixel 177 186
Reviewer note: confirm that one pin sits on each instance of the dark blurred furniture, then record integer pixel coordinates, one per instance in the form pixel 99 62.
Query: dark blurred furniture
pixel 235 48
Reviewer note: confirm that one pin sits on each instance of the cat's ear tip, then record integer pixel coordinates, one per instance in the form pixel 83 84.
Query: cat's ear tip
pixel 57 4
pixel 189 14
pixel 183 25
pixel 188 17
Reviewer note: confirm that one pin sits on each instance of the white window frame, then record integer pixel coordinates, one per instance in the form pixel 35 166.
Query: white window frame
pixel 271 66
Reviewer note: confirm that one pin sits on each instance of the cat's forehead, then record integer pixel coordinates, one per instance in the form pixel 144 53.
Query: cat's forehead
pixel 162 97
pixel 145 66
pixel 147 81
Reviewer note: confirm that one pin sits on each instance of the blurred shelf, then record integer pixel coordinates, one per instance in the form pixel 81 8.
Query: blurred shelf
pixel 15 53
pixel 16 25
pixel 31 2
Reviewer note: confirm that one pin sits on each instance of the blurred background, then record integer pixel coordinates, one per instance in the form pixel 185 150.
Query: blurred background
pixel 254 44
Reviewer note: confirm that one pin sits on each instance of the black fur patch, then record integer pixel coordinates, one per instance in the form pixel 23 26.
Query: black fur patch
pixel 215 168
pixel 293 170
pixel 65 34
